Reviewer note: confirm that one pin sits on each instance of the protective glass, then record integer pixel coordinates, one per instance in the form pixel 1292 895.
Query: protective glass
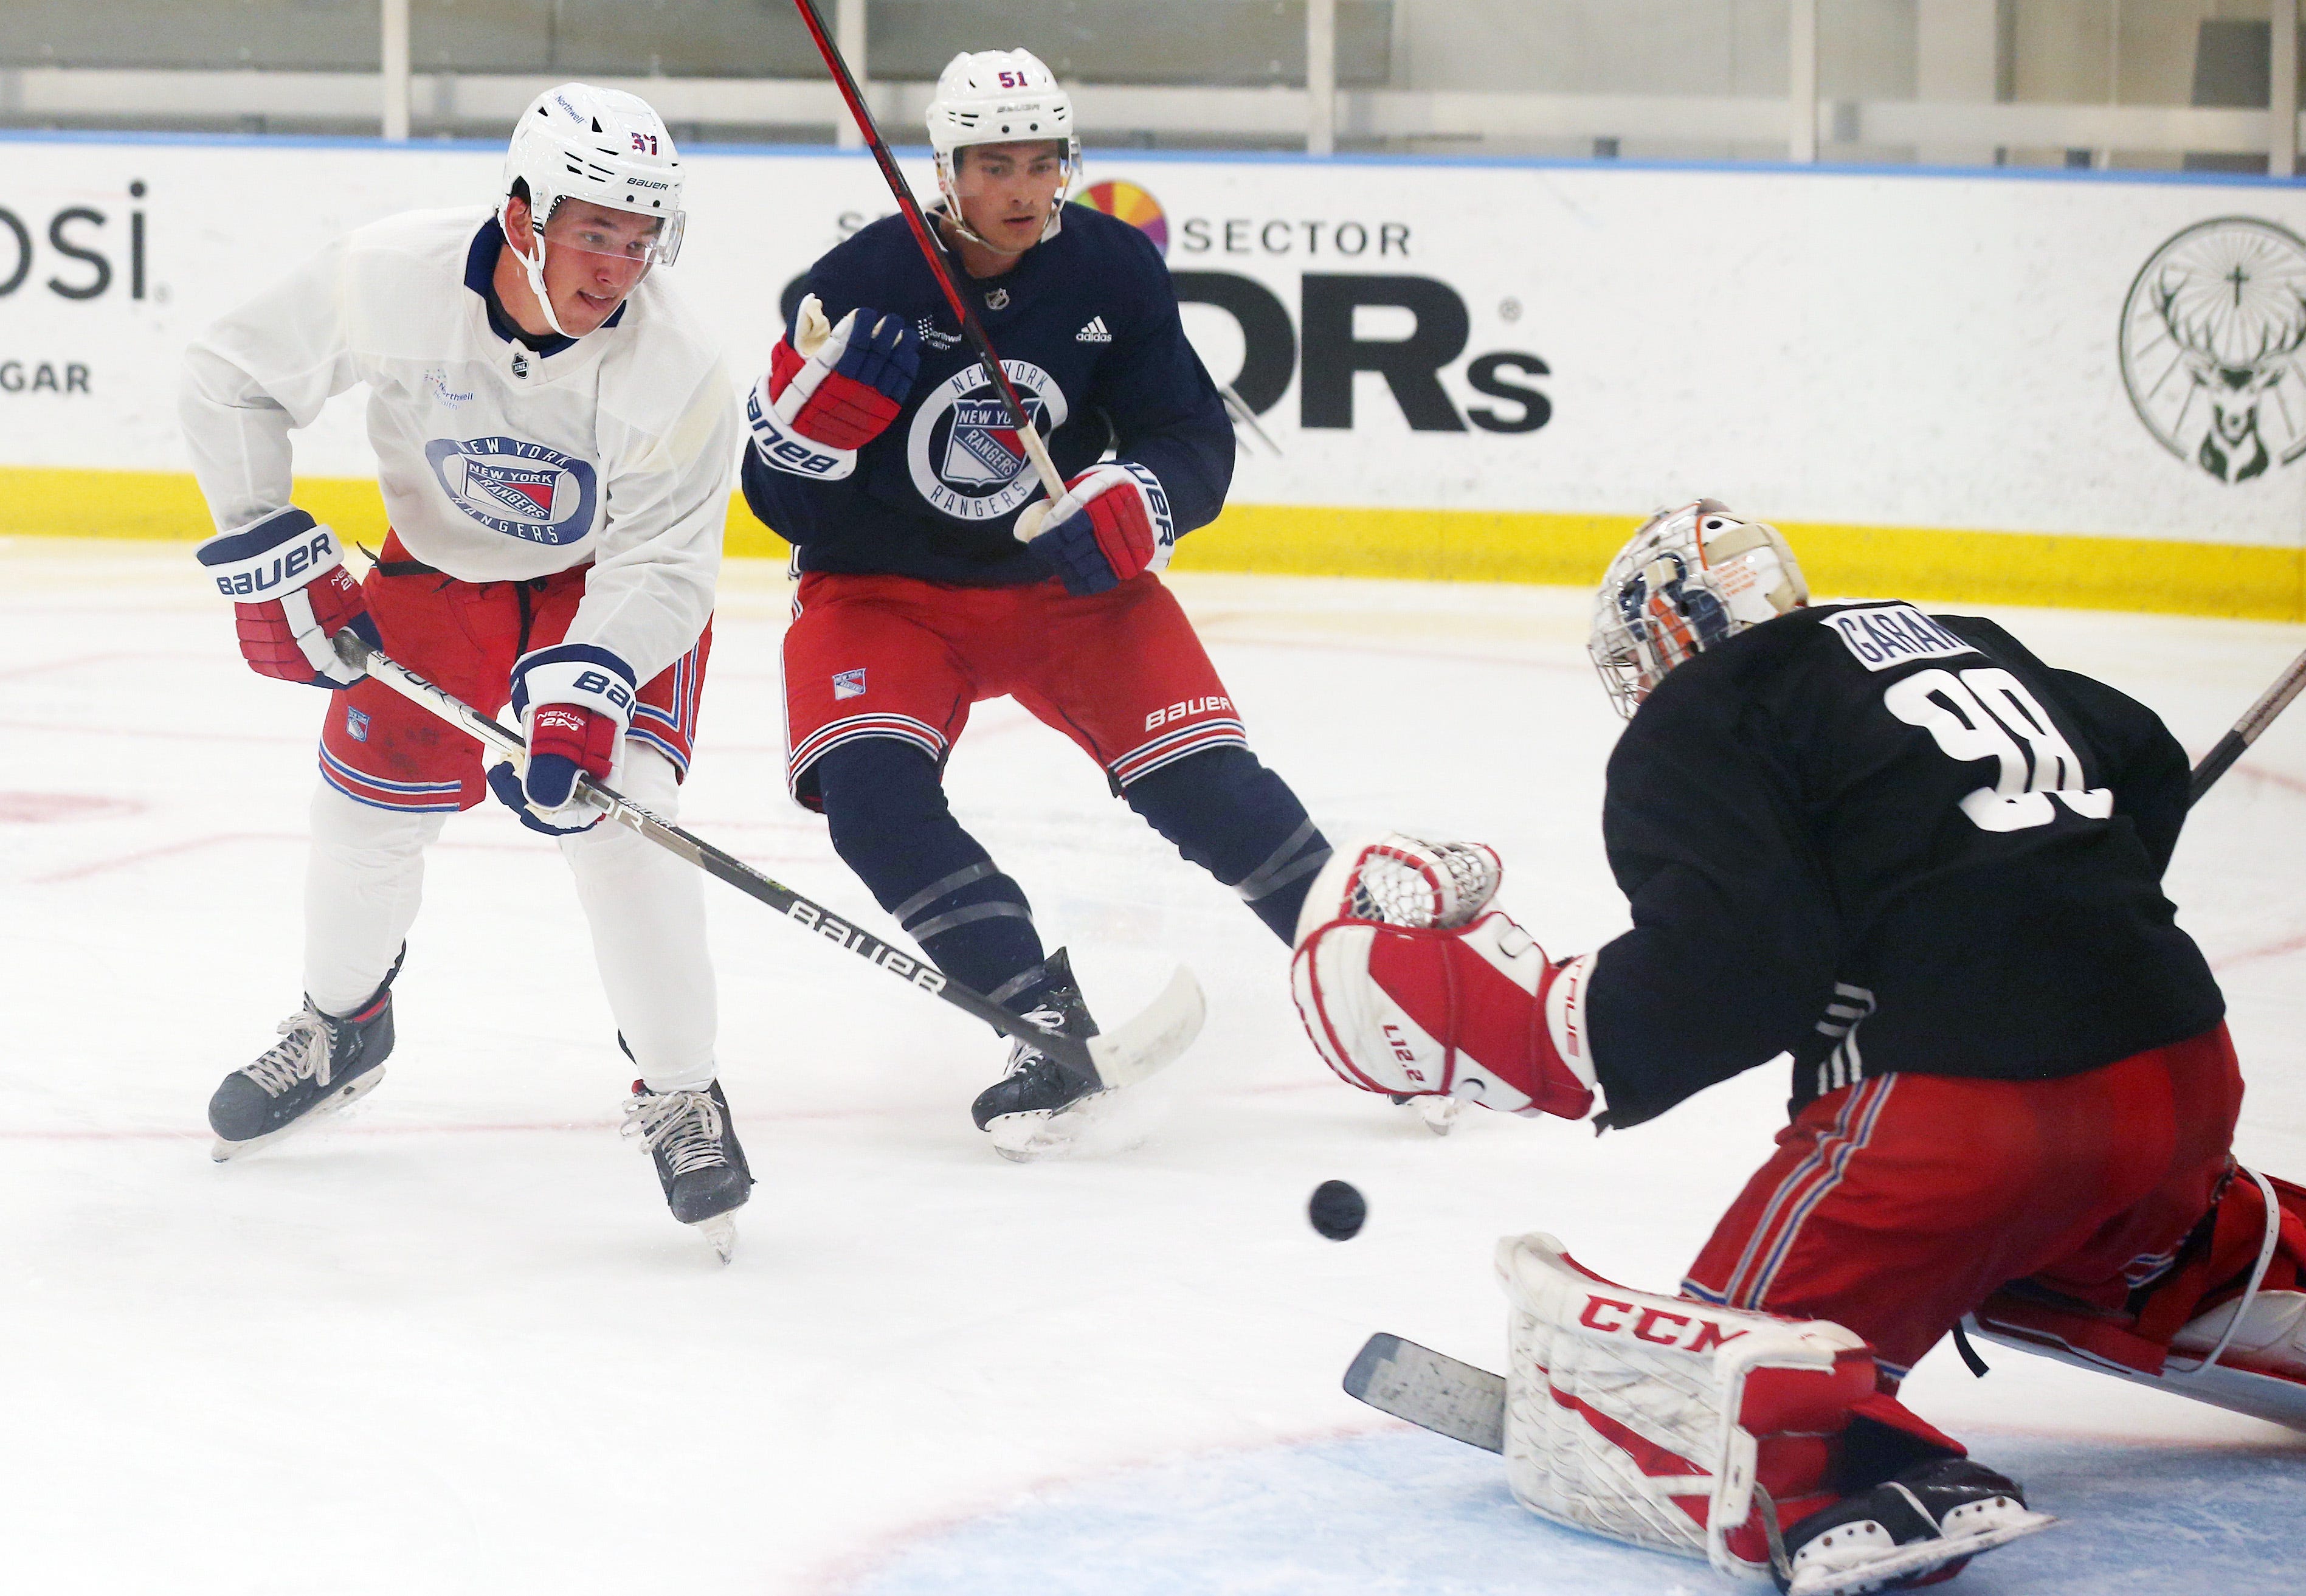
pixel 625 236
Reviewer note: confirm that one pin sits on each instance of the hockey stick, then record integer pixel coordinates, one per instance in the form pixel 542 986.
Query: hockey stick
pixel 1123 1057
pixel 1417 1384
pixel 2256 720
pixel 1052 483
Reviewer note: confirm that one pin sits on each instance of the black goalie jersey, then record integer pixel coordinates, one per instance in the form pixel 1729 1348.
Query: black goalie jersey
pixel 1884 841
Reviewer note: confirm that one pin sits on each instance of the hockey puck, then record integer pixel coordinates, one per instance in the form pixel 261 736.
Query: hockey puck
pixel 1337 1210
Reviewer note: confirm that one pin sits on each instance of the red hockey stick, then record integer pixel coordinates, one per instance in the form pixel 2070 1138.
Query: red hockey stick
pixel 1052 483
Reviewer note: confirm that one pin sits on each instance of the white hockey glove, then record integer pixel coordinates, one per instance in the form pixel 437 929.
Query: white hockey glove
pixel 1404 991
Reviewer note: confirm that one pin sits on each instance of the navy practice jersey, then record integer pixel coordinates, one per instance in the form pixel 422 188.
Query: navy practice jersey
pixel 1086 324
pixel 1882 840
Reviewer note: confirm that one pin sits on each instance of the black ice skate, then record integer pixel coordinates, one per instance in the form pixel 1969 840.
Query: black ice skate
pixel 322 1063
pixel 1040 1104
pixel 699 1161
pixel 1916 1529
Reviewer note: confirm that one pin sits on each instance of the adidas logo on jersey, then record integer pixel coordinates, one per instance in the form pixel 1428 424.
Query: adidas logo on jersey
pixel 1094 333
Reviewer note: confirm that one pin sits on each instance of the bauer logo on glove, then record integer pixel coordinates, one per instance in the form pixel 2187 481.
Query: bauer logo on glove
pixel 291 594
pixel 574 701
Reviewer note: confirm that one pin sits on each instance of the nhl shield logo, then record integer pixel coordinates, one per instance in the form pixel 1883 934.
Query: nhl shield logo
pixel 522 490
pixel 967 458
pixel 2213 346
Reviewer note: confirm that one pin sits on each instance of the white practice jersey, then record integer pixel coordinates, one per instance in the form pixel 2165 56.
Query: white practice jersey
pixel 498 463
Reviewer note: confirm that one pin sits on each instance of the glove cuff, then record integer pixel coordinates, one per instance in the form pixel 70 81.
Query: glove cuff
pixel 580 673
pixel 783 449
pixel 272 558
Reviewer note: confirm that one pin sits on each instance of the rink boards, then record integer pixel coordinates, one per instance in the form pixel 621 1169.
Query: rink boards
pixel 2024 387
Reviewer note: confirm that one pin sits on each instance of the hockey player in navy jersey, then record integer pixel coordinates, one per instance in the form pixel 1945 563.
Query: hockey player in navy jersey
pixel 934 573
pixel 1927 865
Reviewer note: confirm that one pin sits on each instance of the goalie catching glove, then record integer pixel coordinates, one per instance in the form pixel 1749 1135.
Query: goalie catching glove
pixel 1408 984
pixel 573 701
pixel 291 593
pixel 831 389
pixel 1113 524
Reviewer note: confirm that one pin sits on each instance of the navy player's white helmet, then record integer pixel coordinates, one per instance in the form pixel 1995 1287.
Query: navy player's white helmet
pixel 1000 96
pixel 579 142
pixel 1690 578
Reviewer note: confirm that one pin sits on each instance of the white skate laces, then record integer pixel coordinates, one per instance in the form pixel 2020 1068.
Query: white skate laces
pixel 302 1053
pixel 682 1128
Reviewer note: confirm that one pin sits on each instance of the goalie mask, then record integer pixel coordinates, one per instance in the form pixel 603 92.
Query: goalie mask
pixel 1690 579
pixel 999 96
pixel 579 142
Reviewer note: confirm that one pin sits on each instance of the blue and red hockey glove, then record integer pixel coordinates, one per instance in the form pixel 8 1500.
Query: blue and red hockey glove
pixel 291 594
pixel 1113 524
pixel 573 701
pixel 831 390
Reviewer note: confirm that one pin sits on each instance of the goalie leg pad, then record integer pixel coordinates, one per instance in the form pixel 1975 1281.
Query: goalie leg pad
pixel 1652 1420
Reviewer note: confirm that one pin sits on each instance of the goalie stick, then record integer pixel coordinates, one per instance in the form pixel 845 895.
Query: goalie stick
pixel 2256 720
pixel 1417 1384
pixel 1121 1057
pixel 940 266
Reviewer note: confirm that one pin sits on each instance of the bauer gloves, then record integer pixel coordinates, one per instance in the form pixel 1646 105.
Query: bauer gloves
pixel 831 390
pixel 573 701
pixel 1113 524
pixel 291 593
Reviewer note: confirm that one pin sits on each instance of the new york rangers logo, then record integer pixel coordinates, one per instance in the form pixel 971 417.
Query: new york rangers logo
pixel 522 490
pixel 983 446
pixel 966 457
pixel 848 684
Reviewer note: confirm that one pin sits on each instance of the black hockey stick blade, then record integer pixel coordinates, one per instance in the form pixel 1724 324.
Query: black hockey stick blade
pixel 2259 716
pixel 1417 1384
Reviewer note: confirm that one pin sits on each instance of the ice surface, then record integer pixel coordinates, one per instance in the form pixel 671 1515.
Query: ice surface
pixel 452 1343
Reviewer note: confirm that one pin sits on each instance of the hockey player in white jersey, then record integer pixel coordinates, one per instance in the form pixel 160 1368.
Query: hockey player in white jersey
pixel 555 437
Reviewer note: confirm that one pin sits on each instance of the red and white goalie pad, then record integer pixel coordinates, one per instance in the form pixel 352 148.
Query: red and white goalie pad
pixel 1400 994
pixel 1650 1419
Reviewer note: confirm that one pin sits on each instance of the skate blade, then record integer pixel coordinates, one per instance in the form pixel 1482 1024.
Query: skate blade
pixel 1098 1123
pixel 720 1234
pixel 335 1102
pixel 1918 1559
pixel 1439 1114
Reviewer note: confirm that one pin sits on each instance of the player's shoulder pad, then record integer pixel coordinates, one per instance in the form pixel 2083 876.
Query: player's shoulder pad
pixel 878 253
pixel 442 235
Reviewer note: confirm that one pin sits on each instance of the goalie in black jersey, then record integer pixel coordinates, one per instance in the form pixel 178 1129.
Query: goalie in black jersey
pixel 1927 865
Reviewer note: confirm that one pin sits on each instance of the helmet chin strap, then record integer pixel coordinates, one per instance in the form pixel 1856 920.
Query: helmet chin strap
pixel 533 266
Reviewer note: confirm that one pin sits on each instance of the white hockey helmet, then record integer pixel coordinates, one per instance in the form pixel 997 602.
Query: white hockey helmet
pixel 1690 578
pixel 604 145
pixel 1000 96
